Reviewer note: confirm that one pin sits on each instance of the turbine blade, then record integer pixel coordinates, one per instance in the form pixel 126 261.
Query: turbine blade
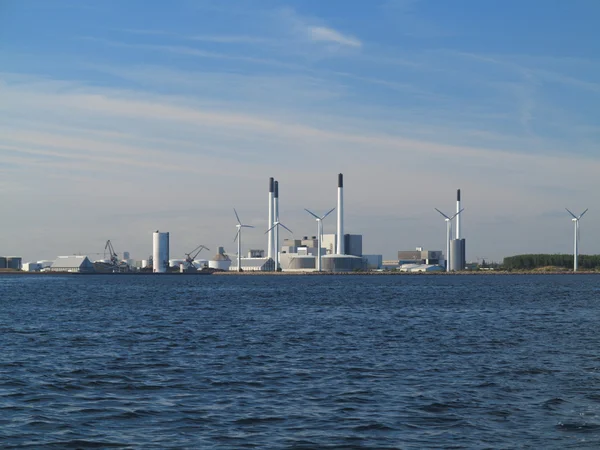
pixel 285 227
pixel 581 215
pixel 237 217
pixel 311 213
pixel 328 212
pixel 236 235
pixel 442 214
pixel 574 216
pixel 247 226
pixel 457 213
pixel 271 228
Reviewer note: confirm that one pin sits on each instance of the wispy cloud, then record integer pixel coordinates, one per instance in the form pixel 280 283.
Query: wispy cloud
pixel 324 34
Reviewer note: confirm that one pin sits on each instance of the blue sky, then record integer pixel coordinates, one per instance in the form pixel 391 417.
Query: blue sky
pixel 121 117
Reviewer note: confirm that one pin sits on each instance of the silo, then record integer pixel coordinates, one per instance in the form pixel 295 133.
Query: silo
pixel 160 252
pixel 457 254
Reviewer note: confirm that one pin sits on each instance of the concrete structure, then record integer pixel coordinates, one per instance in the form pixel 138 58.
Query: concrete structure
pixel 31 267
pixel 220 261
pixel 353 244
pixel 420 256
pixel 291 262
pixel 160 251
pixel 255 265
pixel 72 264
pixel 390 264
pixel 45 263
pixel 415 268
pixel 457 255
pixel 14 262
pixel 343 263
pixel 374 262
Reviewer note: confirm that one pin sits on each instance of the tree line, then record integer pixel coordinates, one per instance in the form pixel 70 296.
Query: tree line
pixel 527 262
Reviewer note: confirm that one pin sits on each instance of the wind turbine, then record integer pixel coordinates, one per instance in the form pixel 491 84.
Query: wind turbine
pixel 276 226
pixel 238 237
pixel 319 233
pixel 448 234
pixel 576 220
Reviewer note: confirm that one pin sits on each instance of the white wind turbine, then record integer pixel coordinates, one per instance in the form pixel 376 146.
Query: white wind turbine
pixel 319 233
pixel 238 237
pixel 276 226
pixel 448 234
pixel 576 220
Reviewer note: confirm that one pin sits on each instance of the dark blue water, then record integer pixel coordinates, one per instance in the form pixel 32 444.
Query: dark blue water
pixel 300 362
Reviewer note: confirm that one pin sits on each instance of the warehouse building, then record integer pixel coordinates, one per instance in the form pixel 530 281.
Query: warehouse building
pixel 72 264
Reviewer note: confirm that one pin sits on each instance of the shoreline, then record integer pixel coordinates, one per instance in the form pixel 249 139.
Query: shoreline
pixel 258 273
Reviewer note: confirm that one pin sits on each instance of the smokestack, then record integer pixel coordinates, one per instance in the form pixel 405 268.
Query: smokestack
pixel 276 229
pixel 270 224
pixel 340 216
pixel 458 216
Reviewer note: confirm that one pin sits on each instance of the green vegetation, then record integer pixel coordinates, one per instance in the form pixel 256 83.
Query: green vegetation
pixel 531 262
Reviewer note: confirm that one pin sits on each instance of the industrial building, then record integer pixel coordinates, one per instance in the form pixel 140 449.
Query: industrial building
pixel 254 265
pixel 11 262
pixel 160 252
pixel 420 256
pixel 374 262
pixel 72 264
pixel 417 268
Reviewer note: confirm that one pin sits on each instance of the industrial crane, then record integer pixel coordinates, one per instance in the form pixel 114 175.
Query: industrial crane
pixel 117 265
pixel 189 259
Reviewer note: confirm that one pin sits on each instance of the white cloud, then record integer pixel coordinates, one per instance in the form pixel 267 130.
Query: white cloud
pixel 324 34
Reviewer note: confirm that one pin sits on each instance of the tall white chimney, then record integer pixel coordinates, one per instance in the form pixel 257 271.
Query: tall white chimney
pixel 340 216
pixel 270 224
pixel 458 215
pixel 276 229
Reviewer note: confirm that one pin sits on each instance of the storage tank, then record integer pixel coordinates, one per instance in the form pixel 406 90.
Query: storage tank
pixel 144 263
pixel 176 262
pixel 220 261
pixel 200 263
pixel 160 251
pixel 44 263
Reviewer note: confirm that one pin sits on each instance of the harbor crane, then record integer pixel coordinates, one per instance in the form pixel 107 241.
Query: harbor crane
pixel 189 259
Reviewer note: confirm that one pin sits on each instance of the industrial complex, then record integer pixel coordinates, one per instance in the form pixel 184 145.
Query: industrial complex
pixel 334 253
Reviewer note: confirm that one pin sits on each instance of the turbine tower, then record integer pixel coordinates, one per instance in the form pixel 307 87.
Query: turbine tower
pixel 238 237
pixel 449 234
pixel 576 220
pixel 275 228
pixel 319 233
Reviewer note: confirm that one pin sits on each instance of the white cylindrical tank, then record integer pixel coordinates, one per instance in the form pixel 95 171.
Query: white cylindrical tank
pixel 160 252
pixel 176 262
pixel 220 261
pixel 144 263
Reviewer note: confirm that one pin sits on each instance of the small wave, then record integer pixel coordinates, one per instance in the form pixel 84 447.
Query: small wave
pixel 373 427
pixel 578 427
pixel 257 420
pixel 553 402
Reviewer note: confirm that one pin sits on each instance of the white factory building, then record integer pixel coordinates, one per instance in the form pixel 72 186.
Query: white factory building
pixel 72 264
